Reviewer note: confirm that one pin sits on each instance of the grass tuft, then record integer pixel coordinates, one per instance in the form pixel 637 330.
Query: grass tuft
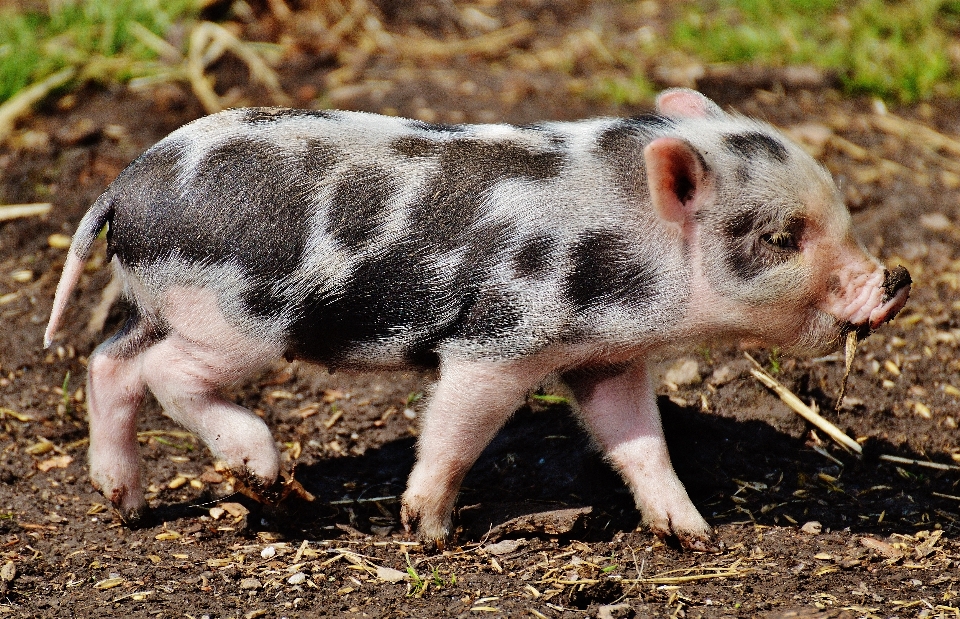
pixel 36 44
pixel 903 50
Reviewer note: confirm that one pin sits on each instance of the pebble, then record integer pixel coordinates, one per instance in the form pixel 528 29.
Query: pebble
pixel 250 583
pixel 297 579
pixel 683 372
pixel 813 527
pixel 268 553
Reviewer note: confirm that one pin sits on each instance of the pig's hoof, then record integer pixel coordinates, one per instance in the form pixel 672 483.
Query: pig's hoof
pixel 432 536
pixel 130 506
pixel 699 538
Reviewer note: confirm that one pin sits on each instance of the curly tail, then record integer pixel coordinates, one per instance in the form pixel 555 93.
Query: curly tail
pixel 91 224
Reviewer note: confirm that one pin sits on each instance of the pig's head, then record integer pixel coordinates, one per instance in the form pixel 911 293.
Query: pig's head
pixel 767 236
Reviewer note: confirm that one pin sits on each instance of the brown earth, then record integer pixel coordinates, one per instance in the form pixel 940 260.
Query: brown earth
pixel 886 544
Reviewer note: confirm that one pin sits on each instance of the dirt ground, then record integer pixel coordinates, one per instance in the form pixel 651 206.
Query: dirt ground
pixel 807 529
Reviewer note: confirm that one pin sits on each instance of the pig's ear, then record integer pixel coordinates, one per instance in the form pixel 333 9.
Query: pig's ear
pixel 686 103
pixel 676 176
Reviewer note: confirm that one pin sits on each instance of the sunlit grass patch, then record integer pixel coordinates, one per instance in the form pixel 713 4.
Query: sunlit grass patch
pixel 34 45
pixel 904 50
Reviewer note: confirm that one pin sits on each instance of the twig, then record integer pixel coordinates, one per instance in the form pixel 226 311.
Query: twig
pixel 208 41
pixel 924 463
pixel 802 409
pixel 15 211
pixel 664 579
pixel 23 101
pixel 849 352
pixel 915 132
pixel 487 44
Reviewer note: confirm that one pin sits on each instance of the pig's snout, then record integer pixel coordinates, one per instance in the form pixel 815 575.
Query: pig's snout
pixel 896 289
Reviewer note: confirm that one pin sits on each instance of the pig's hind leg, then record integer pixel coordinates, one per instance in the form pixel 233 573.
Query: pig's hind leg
pixel 187 376
pixel 471 402
pixel 115 390
pixel 620 408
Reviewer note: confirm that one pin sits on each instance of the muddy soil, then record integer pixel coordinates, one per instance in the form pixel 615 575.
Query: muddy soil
pixel 808 530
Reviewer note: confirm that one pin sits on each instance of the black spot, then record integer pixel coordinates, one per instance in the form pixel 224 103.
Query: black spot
pixel 620 146
pixel 742 175
pixel 319 158
pixel 649 122
pixel 555 139
pixel 452 201
pixel 411 146
pixel 435 127
pixel 384 295
pixel 359 202
pixel 754 143
pixel 491 315
pixel 627 136
pixel 263 115
pixel 745 254
pixel 246 203
pixel 606 271
pixel 533 257
pixel 403 293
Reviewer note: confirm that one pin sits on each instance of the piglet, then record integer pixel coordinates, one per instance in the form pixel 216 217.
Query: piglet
pixel 503 255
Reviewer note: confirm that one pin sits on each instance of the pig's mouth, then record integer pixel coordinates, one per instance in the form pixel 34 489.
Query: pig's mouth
pixel 896 291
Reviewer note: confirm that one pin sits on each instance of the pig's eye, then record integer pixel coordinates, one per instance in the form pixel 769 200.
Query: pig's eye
pixel 784 240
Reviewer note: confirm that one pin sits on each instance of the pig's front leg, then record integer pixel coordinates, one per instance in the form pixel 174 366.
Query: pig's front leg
pixel 471 402
pixel 621 409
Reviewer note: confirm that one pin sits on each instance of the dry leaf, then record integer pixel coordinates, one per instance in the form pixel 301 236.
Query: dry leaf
pixel 109 583
pixel 56 462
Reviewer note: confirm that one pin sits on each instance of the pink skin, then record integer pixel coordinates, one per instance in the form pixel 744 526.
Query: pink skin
pixel 185 372
pixel 115 391
pixel 471 402
pixel 621 411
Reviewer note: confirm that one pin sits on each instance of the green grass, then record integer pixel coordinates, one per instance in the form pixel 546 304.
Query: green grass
pixel 34 45
pixel 903 50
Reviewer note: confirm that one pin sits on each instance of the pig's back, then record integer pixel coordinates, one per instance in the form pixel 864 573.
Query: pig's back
pixel 369 240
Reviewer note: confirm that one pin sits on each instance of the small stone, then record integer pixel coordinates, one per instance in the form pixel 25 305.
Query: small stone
pixel 250 583
pixel 59 241
pixel 937 222
pixel 409 413
pixel 297 579
pixel 813 527
pixel 504 547
pixel 268 553
pixel 389 574
pixel 615 611
pixel 8 572
pixel 211 477
pixel 683 372
pixel 217 512
pixel 723 375
pixel 22 276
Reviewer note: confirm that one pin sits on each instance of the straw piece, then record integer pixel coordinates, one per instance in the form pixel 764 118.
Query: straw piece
pixel 850 352
pixel 15 211
pixel 923 463
pixel 802 409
